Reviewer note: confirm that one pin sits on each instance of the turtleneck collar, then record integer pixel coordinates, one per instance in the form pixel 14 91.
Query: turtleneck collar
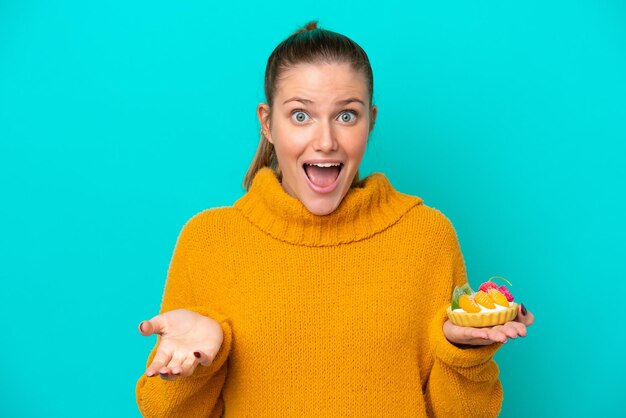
pixel 364 211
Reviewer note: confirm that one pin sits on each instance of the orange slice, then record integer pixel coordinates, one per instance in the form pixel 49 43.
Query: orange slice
pixel 468 305
pixel 483 299
pixel 498 297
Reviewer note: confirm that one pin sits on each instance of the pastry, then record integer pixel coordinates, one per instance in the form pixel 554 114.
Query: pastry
pixel 491 305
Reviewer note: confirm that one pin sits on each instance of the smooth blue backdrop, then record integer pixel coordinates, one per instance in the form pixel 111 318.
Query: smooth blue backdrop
pixel 120 120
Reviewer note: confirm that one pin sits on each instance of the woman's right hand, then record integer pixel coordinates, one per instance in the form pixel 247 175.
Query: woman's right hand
pixel 187 339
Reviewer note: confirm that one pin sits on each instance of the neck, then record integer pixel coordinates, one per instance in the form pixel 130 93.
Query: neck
pixel 367 209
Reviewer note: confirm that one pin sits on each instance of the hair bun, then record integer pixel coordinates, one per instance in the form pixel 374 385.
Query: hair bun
pixel 312 25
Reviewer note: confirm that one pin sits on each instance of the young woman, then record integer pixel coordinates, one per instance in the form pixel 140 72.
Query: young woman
pixel 318 294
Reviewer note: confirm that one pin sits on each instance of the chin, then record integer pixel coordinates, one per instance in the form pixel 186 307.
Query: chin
pixel 322 207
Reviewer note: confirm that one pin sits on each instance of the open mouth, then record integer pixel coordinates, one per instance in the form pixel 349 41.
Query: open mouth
pixel 322 175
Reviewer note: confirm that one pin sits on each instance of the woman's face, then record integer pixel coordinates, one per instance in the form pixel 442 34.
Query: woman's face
pixel 319 125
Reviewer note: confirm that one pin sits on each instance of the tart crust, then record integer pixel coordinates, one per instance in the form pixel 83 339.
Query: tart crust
pixel 483 319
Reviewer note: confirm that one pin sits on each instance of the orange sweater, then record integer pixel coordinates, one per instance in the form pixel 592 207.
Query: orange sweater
pixel 323 316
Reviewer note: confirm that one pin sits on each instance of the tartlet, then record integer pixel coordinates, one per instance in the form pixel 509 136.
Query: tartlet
pixel 483 319
pixel 490 306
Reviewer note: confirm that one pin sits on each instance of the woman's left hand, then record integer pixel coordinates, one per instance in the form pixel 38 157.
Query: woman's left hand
pixel 486 336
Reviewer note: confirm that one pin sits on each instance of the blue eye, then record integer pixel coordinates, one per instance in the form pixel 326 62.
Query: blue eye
pixel 299 116
pixel 347 117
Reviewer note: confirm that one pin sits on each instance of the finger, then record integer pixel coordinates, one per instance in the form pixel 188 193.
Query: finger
pixel 476 336
pixel 189 365
pixel 520 328
pixel 481 339
pixel 203 358
pixel 510 330
pixel 155 325
pixel 466 335
pixel 495 334
pixel 144 327
pixel 476 333
pixel 524 316
pixel 167 376
pixel 161 358
pixel 175 365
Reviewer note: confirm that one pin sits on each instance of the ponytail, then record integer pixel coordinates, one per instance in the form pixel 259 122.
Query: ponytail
pixel 265 157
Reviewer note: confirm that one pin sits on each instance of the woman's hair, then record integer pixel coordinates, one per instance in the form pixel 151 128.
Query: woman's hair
pixel 309 45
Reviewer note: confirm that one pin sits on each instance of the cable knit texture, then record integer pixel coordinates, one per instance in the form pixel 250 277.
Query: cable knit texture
pixel 323 316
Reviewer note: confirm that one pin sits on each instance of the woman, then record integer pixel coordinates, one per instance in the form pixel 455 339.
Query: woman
pixel 317 294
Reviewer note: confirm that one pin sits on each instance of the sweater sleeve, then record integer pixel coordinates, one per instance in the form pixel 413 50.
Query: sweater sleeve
pixel 463 382
pixel 199 394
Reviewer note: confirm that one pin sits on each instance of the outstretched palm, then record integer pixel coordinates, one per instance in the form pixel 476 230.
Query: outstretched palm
pixel 187 339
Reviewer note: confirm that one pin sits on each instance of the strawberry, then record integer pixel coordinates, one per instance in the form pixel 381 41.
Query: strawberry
pixel 506 293
pixel 488 285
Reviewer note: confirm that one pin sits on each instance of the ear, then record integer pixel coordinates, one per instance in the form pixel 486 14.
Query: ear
pixel 263 114
pixel 373 113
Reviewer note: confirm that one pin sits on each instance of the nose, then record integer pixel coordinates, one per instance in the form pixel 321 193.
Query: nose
pixel 325 138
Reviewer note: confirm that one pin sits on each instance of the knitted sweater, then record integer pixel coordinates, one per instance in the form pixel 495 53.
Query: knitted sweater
pixel 323 316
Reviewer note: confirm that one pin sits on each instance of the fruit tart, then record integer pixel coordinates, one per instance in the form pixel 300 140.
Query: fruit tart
pixel 491 305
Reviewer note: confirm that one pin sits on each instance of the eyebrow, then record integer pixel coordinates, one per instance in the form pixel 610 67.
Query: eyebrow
pixel 298 99
pixel 350 100
pixel 341 102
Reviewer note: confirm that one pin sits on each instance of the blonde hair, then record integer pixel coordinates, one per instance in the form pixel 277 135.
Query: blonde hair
pixel 265 157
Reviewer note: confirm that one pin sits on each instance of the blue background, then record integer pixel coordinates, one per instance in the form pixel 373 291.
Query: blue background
pixel 120 120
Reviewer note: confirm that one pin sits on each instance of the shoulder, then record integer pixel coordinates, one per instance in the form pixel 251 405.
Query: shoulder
pixel 210 217
pixel 431 222
pixel 420 217
pixel 208 223
pixel 431 215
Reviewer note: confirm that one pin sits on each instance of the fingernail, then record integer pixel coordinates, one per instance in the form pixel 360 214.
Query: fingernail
pixel 197 354
pixel 524 309
pixel 150 374
pixel 140 326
